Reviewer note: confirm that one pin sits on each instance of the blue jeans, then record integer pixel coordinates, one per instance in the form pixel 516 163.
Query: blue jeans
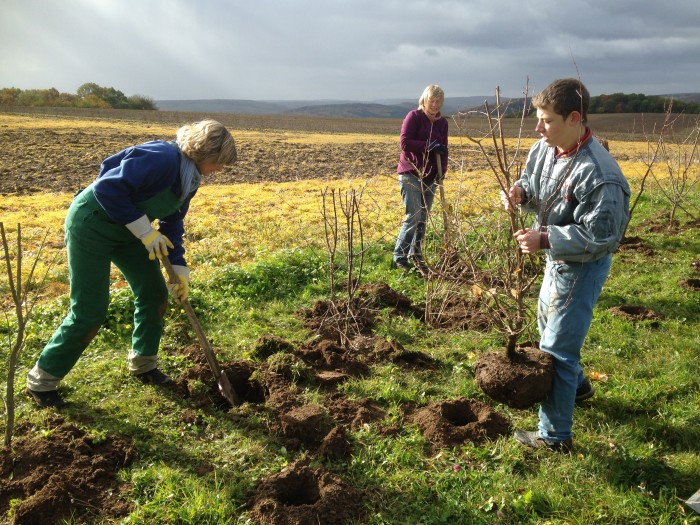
pixel 568 294
pixel 418 200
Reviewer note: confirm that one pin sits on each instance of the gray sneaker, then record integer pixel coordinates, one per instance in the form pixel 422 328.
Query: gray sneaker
pixel 532 439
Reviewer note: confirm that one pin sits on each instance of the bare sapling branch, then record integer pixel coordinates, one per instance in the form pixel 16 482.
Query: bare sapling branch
pixel 330 224
pixel 652 156
pixel 512 321
pixel 343 314
pixel 681 173
pixel 23 306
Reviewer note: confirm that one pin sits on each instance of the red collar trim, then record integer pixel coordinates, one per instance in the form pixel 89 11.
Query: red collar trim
pixel 587 135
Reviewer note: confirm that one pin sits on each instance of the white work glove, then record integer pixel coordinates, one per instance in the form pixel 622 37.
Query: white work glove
pixel 155 242
pixel 180 290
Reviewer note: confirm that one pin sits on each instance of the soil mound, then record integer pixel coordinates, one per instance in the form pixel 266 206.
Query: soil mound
pixel 62 473
pixel 300 495
pixel 692 284
pixel 381 295
pixel 396 353
pixel 637 313
pixel 635 244
pixel 452 423
pixel 520 381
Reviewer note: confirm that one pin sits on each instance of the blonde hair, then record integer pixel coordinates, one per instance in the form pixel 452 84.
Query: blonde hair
pixel 432 92
pixel 207 141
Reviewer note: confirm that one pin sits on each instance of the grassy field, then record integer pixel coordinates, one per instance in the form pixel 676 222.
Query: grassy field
pixel 258 252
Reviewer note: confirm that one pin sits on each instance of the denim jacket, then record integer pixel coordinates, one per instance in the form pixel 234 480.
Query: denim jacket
pixel 581 201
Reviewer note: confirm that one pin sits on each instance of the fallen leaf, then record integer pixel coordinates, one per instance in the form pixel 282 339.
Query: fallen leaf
pixel 597 376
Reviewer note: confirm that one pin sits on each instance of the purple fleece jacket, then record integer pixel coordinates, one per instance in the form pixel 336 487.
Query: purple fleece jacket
pixel 417 132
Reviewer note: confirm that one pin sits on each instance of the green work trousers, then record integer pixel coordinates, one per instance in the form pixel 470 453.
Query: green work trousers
pixel 93 243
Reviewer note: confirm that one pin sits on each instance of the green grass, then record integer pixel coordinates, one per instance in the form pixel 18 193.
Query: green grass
pixel 637 442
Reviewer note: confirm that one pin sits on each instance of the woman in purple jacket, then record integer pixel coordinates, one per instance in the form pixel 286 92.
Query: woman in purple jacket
pixel 423 142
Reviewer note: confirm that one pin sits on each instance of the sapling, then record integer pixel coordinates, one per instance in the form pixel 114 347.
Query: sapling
pixel 23 305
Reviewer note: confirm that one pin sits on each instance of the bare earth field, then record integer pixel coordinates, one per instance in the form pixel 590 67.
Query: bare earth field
pixel 65 159
pixel 44 156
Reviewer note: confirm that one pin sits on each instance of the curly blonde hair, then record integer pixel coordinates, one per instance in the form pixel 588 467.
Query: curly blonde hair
pixel 207 141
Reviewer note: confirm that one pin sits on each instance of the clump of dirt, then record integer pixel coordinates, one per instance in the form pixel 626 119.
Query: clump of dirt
pixel 351 413
pixel 691 284
pixel 344 319
pixel 201 388
pixel 335 444
pixel 520 381
pixel 381 295
pixel 636 244
pixel 637 313
pixel 305 425
pixel 267 345
pixel 333 362
pixel 301 495
pixel 452 423
pixel 63 473
pixel 396 353
pixel 339 319
pixel 457 313
pixel 695 265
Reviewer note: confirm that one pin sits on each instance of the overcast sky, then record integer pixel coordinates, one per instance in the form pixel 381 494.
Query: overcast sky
pixel 348 49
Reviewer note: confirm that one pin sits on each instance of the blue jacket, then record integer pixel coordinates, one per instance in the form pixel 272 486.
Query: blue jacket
pixel 582 201
pixel 136 174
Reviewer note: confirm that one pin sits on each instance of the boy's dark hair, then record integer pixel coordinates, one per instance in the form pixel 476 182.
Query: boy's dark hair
pixel 564 96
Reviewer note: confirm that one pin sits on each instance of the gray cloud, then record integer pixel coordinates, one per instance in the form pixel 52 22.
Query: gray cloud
pixel 348 49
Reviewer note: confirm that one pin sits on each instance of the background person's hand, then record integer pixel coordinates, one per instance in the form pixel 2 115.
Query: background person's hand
pixel 437 147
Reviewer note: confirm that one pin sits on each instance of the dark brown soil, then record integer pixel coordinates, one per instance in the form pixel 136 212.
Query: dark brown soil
pixel 635 244
pixel 381 295
pixel 637 313
pixel 63 472
pixel 43 159
pixel 395 352
pixel 301 495
pixel 450 424
pixel 519 382
pixel 457 313
pixel 691 284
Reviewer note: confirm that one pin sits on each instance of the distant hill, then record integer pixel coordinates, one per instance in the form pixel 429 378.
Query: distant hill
pixel 385 108
pixel 394 108
pixel 693 98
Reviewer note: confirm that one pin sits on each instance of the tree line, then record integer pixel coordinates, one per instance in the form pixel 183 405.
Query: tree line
pixel 89 95
pixel 638 103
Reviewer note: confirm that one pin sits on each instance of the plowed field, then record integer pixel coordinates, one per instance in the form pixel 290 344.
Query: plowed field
pixel 64 155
